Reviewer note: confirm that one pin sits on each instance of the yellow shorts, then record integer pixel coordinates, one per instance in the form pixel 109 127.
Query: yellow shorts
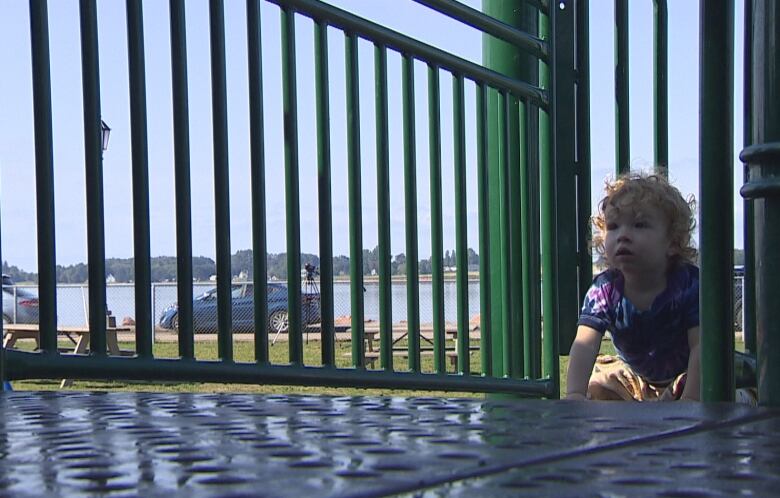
pixel 613 379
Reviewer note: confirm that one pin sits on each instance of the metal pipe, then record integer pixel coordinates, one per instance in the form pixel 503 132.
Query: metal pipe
pixel 144 320
pixel 383 209
pixel 716 220
pixel 763 188
pixel 292 188
pixel 181 167
pixel 93 158
pixel 327 327
pixel 257 172
pixel 44 177
pixel 355 202
pixel 437 244
pixel 221 179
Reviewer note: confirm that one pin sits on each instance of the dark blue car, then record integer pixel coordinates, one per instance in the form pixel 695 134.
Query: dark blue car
pixel 204 310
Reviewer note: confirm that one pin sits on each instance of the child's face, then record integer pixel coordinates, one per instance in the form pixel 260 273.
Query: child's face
pixel 637 238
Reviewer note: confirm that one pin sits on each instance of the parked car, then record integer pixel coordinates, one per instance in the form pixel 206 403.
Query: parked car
pixel 204 310
pixel 19 304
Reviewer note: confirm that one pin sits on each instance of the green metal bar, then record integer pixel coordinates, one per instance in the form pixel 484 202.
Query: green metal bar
pixel 522 40
pixel 327 327
pixel 512 251
pixel 716 222
pixel 257 171
pixel 410 196
pixel 291 186
pixel 221 180
pixel 483 215
pixel 181 146
pixel 383 209
pixel 376 33
pixel 437 244
pixel 583 168
pixel 144 321
pixel 564 149
pixel 661 87
pixel 763 188
pixel 622 126
pixel 34 365
pixel 355 203
pixel 548 229
pixel 461 228
pixel 44 176
pixel 531 275
pixel 508 316
pixel 93 158
pixel 749 233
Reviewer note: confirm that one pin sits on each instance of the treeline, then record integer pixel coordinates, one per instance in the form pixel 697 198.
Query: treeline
pixel 163 268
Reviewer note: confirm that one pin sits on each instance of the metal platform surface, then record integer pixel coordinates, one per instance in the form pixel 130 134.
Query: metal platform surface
pixel 197 445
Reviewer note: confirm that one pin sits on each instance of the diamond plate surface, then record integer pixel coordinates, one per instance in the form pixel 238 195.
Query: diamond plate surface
pixel 146 444
pixel 741 460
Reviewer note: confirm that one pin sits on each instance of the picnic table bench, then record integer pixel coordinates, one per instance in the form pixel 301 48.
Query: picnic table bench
pixel 79 336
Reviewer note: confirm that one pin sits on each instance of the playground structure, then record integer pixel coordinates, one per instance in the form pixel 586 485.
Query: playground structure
pixel 532 139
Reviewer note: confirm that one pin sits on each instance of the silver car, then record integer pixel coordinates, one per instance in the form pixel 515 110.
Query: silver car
pixel 19 304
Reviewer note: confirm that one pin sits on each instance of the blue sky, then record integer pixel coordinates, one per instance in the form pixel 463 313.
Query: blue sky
pixel 17 184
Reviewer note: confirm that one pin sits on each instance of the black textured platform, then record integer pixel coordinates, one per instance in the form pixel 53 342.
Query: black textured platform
pixel 142 444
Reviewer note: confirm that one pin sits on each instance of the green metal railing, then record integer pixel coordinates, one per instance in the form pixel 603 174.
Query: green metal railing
pixel 660 88
pixel 524 126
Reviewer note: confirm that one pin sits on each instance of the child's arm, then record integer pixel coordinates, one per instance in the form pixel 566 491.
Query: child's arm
pixel 692 381
pixel 581 359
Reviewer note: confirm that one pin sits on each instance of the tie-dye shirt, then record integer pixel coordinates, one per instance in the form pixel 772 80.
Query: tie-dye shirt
pixel 653 342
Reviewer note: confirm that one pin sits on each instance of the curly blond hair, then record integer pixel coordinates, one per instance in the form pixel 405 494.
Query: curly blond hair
pixel 654 190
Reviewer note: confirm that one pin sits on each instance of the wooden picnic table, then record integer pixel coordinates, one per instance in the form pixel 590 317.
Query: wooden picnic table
pixel 78 335
pixel 371 334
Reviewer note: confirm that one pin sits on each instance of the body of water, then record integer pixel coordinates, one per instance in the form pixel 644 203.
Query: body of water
pixel 72 300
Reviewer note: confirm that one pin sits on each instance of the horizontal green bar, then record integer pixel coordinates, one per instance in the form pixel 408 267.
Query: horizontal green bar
pixel 409 46
pixel 26 365
pixel 491 26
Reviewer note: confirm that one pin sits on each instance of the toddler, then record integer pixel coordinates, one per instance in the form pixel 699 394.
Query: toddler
pixel 647 299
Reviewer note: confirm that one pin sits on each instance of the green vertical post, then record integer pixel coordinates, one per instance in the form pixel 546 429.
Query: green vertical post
pixel 461 243
pixel 93 158
pixel 327 327
pixel 257 174
pixel 660 88
pixel 292 188
pixel 763 188
pixel 531 294
pixel 181 166
pixel 144 321
pixel 583 167
pixel 410 201
pixel 383 209
pixel 748 217
pixel 483 214
pixel 622 135
pixel 716 221
pixel 221 179
pixel 44 177
pixel 355 202
pixel 508 307
pixel 509 60
pixel 437 245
